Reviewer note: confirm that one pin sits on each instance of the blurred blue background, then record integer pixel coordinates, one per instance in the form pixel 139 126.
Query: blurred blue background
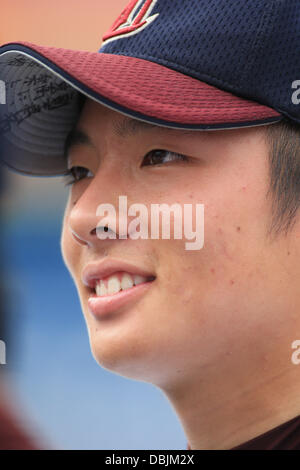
pixel 65 399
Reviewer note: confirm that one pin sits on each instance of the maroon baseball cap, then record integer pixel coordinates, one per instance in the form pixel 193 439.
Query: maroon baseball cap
pixel 182 64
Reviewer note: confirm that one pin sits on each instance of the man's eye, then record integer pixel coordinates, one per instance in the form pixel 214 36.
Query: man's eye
pixel 76 173
pixel 156 157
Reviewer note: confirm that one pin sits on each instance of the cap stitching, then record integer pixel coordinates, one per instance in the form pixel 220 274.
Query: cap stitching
pixel 256 43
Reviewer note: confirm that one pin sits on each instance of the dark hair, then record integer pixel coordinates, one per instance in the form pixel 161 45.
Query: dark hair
pixel 81 101
pixel 284 141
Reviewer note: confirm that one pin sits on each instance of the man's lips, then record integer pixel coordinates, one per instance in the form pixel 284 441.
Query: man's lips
pixel 101 307
pixel 94 272
pixel 98 276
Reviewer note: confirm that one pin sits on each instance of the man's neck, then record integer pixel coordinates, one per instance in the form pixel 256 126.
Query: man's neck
pixel 223 414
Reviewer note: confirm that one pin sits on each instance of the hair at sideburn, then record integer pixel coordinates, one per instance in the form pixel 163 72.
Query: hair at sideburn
pixel 284 141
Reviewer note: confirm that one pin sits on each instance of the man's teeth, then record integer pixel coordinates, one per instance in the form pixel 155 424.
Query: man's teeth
pixel 127 282
pixel 115 283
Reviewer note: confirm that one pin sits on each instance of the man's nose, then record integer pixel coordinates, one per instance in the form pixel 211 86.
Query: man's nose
pixel 84 223
pixel 84 236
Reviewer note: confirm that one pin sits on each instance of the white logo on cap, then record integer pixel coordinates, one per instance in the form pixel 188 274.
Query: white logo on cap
pixel 133 19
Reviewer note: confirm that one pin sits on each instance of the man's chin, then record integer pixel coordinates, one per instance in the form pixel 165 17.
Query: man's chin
pixel 117 355
pixel 127 358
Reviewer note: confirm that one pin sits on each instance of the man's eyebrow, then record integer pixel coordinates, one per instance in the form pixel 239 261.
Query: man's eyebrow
pixel 126 127
pixel 75 137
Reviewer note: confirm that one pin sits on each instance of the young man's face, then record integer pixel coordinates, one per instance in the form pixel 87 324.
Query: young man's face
pixel 217 309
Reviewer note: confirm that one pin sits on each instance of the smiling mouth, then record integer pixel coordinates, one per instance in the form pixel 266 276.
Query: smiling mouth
pixel 115 291
pixel 118 282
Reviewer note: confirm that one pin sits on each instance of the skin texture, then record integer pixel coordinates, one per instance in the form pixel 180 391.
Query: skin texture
pixel 214 331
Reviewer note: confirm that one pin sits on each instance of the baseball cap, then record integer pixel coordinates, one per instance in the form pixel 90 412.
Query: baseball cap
pixel 181 64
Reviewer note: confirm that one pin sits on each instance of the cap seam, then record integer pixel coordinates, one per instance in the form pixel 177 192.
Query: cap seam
pixel 249 64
